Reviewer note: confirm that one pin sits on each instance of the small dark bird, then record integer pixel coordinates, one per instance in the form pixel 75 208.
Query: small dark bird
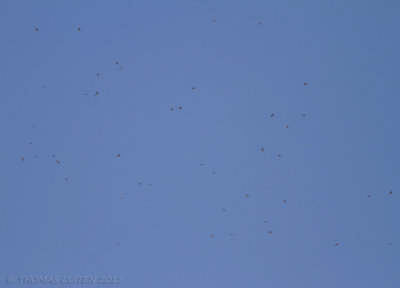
pixel 247 196
pixel 180 107
pixel 33 126
pixel 369 196
pixel 79 28
pixel 231 234
pixel 193 87
pixel 97 93
pixel 284 201
pixel 201 164
pixel 54 156
pixel 337 244
pixel 36 29
pixel 214 172
pixel 279 155
pixel 214 20
pixel 57 161
pixel 120 68
pixel 22 158
pixel 287 126
pixel 139 183
pixel 30 143
pixel 172 109
pixel 265 220
pixel 98 74
pixel 270 232
pixel 259 23
pixel 304 115
pixel 118 155
pixel 305 83
pixel 223 210
pixel 86 94
pixel 66 179
pixel 272 115
pixel 390 243
pixel 116 63
pixel 391 192
pixel 262 149
pixel 212 235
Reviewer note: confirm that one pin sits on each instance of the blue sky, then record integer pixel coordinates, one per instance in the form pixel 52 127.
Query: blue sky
pixel 343 150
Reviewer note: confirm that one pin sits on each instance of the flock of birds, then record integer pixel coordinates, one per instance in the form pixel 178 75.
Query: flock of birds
pixel 272 115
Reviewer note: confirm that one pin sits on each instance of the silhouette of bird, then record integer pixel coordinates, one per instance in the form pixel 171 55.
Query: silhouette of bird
pixel 118 155
pixel 193 87
pixel 201 164
pixel 57 161
pixel 287 126
pixel 97 93
pixel 305 83
pixel 223 210
pixel 265 220
pixel 212 235
pixel 270 232
pixel 116 63
pixel 180 107
pixel 369 196
pixel 391 192
pixel 231 234
pixel 272 115
pixel 262 149
pixel 279 155
pixel 337 244
pixel 79 28
pixel 36 29
pixel 66 179
pixel 139 183
pixel 98 74
pixel 284 201
pixel 30 143
pixel 22 158
pixel 304 115
pixel 54 156
pixel 259 23
pixel 214 20
pixel 33 126
pixel 390 243
pixel 247 196
pixel 172 109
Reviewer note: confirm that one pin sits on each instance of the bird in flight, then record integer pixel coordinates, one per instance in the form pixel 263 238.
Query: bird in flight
pixel 369 196
pixel 116 63
pixel 79 28
pixel 304 115
pixel 66 179
pixel 337 244
pixel 287 126
pixel 201 164
pixel 305 83
pixel 391 192
pixel 272 115
pixel 172 109
pixel 193 87
pixel 265 220
pixel 33 126
pixel 259 23
pixel 284 201
pixel 214 20
pixel 212 235
pixel 279 155
pixel 139 183
pixel 270 232
pixel 213 172
pixel 262 149
pixel 22 158
pixel 390 243
pixel 36 29
pixel 57 161
pixel 97 93
pixel 118 155
pixel 247 196
pixel 223 210
pixel 180 107
pixel 98 74
pixel 231 234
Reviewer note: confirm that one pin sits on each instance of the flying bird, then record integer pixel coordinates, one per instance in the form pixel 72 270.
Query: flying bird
pixel 231 234
pixel 98 74
pixel 58 162
pixel 279 155
pixel 36 29
pixel 116 63
pixel 337 244
pixel 79 28
pixel 259 23
pixel 287 126
pixel 265 220
pixel 22 158
pixel 262 149
pixel 118 155
pixel 193 87
pixel 305 83
pixel 214 172
pixel 223 210
pixel 180 107
pixel 172 109
pixel 304 115
pixel 284 201
pixel 247 196
pixel 391 192
pixel 272 115
pixel 139 183
pixel 270 232
pixel 212 235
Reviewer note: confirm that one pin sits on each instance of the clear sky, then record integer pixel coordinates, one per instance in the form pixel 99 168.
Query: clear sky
pixel 85 211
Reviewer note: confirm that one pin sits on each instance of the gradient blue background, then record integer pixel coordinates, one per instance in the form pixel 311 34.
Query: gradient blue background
pixel 346 148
